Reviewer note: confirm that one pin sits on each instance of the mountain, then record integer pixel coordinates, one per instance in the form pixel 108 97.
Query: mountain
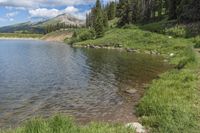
pixel 25 27
pixel 38 27
pixel 63 18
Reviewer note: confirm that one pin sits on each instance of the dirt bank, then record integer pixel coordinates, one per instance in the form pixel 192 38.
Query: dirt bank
pixel 57 36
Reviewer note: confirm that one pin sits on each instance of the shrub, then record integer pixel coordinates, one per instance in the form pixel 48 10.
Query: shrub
pixel 177 31
pixel 82 35
pixel 197 42
pixel 86 35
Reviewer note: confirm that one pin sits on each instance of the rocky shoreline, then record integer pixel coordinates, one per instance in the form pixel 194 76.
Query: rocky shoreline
pixel 120 48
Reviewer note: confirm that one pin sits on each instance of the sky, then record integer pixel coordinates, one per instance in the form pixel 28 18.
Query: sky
pixel 18 11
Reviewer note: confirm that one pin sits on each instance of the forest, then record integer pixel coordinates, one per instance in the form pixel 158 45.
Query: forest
pixel 141 12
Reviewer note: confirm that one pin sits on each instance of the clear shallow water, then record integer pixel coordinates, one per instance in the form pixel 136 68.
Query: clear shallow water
pixel 40 78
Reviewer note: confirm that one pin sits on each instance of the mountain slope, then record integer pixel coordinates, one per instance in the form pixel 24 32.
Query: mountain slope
pixel 28 26
pixel 39 27
pixel 63 18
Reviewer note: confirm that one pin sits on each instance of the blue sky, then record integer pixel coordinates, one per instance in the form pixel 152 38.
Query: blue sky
pixel 18 11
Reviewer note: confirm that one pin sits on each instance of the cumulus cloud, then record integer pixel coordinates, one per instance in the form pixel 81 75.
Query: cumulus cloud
pixel 15 8
pixel 43 3
pixel 50 13
pixel 11 19
pixel 11 14
pixel 44 12
pixel 70 9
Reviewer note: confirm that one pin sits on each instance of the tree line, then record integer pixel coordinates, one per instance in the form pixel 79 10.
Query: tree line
pixel 141 11
pixel 54 27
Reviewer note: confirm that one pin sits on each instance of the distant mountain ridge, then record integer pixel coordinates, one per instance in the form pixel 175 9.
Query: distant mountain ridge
pixel 38 27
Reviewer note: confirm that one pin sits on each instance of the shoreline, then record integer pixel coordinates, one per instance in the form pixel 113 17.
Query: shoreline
pixel 18 38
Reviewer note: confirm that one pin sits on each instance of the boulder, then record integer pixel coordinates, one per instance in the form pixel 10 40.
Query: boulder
pixel 137 127
pixel 131 91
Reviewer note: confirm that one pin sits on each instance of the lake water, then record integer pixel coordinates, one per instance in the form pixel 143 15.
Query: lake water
pixel 40 78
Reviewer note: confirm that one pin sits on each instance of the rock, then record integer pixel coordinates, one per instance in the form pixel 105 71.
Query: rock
pixel 132 50
pixel 165 60
pixel 170 37
pixel 172 55
pixel 137 127
pixel 118 45
pixel 147 52
pixel 153 52
pixel 131 91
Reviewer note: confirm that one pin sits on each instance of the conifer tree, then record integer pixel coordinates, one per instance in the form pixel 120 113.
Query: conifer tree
pixel 111 10
pixel 105 20
pixel 99 20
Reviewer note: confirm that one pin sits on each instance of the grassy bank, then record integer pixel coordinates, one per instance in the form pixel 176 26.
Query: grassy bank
pixel 171 103
pixel 19 35
pixel 62 124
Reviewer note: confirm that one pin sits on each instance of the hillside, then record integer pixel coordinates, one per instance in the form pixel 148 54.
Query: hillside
pixel 21 27
pixel 63 18
pixel 58 36
pixel 30 27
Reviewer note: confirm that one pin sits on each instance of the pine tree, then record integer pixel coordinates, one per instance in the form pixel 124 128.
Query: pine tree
pixel 105 20
pixel 111 11
pixel 99 20
pixel 134 10
pixel 172 9
pixel 125 13
pixel 120 8
pixel 191 11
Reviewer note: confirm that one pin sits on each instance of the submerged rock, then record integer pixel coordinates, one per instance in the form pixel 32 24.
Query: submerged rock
pixel 131 91
pixel 137 127
pixel 132 50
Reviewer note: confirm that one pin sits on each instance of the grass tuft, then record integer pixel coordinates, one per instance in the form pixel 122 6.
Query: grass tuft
pixel 62 124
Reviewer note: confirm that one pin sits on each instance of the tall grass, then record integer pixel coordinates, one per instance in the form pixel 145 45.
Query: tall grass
pixel 171 104
pixel 62 124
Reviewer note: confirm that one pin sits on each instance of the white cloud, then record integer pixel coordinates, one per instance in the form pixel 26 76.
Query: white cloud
pixel 15 8
pixel 11 19
pixel 44 12
pixel 43 3
pixel 11 14
pixel 49 13
pixel 71 9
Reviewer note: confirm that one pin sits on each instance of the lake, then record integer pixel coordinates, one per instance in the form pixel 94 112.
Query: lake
pixel 40 78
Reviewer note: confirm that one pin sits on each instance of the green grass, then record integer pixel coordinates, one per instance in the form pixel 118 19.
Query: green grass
pixel 62 124
pixel 173 28
pixel 171 103
pixel 197 42
pixel 133 37
pixel 19 35
pixel 159 27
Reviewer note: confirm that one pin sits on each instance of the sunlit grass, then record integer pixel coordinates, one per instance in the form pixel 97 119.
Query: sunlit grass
pixel 62 124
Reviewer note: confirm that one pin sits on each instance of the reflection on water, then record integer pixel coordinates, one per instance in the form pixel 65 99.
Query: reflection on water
pixel 41 78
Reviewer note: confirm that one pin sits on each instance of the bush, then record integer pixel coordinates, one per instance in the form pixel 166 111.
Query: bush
pixel 87 35
pixel 177 31
pixel 197 42
pixel 82 35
